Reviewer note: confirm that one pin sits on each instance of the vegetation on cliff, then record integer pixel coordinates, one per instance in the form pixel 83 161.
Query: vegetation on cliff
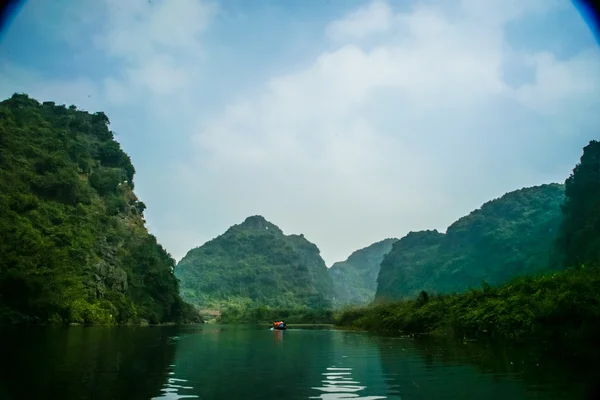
pixel 355 280
pixel 253 264
pixel 507 237
pixel 74 244
pixel 564 304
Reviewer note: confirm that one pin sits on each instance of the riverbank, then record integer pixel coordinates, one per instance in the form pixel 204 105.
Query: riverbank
pixel 564 305
pixel 303 326
pixel 10 317
pixel 76 324
pixel 265 314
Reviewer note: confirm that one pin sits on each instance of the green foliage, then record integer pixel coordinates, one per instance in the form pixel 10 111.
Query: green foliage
pixel 560 305
pixel 355 280
pixel 579 240
pixel 83 312
pixel 506 237
pixel 74 246
pixel 253 264
pixel 106 180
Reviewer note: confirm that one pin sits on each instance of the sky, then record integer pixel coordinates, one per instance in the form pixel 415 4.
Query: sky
pixel 347 121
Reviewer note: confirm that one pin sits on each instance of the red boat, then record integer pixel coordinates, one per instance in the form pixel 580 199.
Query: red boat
pixel 279 325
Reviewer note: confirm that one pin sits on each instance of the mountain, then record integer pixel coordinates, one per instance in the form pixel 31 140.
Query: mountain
pixel 510 236
pixel 74 247
pixel 254 263
pixel 355 280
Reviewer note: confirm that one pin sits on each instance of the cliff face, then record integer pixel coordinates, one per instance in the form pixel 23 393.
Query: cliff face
pixel 510 236
pixel 74 244
pixel 355 279
pixel 255 263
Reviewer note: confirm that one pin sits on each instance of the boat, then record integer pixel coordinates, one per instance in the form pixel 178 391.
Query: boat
pixel 279 326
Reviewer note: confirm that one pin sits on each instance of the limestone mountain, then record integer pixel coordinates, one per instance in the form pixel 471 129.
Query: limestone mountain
pixel 509 236
pixel 255 263
pixel 355 280
pixel 74 246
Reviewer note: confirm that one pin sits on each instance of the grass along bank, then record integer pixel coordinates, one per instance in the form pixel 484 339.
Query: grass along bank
pixel 563 305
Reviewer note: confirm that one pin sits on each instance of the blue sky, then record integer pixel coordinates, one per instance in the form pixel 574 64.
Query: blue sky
pixel 348 121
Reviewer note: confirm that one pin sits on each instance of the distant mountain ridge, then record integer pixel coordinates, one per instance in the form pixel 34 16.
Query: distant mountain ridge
pixel 255 263
pixel 509 236
pixel 355 279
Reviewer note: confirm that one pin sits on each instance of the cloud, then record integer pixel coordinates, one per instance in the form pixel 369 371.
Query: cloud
pixel 139 29
pixel 158 45
pixel 155 45
pixel 376 17
pixel 559 83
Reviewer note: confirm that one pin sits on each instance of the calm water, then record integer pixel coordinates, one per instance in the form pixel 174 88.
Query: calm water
pixel 233 362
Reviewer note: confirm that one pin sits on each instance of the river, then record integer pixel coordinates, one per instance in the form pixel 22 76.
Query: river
pixel 246 362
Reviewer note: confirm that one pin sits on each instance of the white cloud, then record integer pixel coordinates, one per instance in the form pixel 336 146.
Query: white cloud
pixel 138 29
pixel 375 17
pixel 558 83
pixel 159 43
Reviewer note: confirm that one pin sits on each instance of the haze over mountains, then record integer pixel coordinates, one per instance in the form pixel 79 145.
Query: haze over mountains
pixel 355 279
pixel 75 247
pixel 507 237
pixel 254 263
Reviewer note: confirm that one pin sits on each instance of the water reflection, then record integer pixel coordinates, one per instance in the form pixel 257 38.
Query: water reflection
pixel 278 335
pixel 172 388
pixel 244 362
pixel 175 388
pixel 84 362
pixel 440 369
pixel 339 384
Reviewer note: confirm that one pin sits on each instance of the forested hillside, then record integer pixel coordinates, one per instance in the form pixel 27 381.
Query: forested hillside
pixel 74 246
pixel 505 238
pixel 254 264
pixel 355 280
pixel 579 239
pixel 558 305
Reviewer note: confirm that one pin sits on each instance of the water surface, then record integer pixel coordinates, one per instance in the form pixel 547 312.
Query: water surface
pixel 246 362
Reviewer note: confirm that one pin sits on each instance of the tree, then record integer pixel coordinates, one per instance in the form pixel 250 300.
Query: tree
pixel 580 230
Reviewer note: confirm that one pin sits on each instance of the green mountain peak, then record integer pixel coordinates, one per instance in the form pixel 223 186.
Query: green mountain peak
pixel 255 263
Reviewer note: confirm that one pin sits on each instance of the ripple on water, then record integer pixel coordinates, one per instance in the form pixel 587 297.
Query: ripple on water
pixel 172 387
pixel 339 384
